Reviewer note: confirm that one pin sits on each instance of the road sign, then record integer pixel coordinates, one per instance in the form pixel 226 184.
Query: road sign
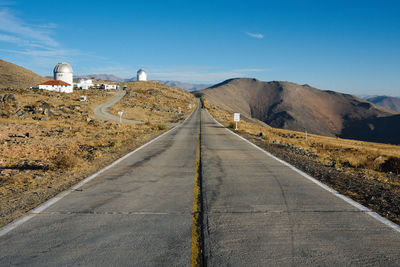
pixel 236 117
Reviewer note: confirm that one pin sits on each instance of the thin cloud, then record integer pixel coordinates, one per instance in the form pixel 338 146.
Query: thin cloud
pixel 255 35
pixel 28 34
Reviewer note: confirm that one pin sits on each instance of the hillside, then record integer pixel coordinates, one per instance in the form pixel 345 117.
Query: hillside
pixel 298 107
pixel 154 102
pixel 390 102
pixel 14 76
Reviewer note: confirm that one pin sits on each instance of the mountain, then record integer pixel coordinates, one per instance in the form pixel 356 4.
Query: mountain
pixel 386 101
pixel 381 130
pixel 105 77
pixel 185 86
pixel 15 76
pixel 301 107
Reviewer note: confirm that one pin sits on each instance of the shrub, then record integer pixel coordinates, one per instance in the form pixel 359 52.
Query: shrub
pixel 392 164
pixel 232 125
pixel 64 161
pixel 162 127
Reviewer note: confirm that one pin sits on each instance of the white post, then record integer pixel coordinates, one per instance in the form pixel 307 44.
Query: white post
pixel 120 116
pixel 236 126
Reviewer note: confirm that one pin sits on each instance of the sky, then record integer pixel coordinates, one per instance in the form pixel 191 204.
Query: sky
pixel 350 46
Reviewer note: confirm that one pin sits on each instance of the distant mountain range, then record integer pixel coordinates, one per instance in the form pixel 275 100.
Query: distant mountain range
pixel 302 107
pixel 177 84
pixel 186 86
pixel 106 77
pixel 385 101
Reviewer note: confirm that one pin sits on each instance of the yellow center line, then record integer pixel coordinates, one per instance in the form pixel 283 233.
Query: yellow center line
pixel 197 231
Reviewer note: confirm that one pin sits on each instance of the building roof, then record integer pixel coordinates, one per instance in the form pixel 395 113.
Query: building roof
pixel 63 67
pixel 54 82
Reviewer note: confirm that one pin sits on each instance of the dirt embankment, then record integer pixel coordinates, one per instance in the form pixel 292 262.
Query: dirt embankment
pixel 368 173
pixel 50 141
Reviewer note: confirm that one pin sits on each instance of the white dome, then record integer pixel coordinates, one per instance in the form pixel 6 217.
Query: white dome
pixel 63 68
pixel 141 71
pixel 81 80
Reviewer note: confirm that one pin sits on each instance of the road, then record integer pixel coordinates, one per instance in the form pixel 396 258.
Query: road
pixel 257 212
pixel 102 111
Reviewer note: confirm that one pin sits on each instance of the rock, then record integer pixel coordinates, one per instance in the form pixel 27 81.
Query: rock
pixel 37 177
pixel 20 113
pixel 10 99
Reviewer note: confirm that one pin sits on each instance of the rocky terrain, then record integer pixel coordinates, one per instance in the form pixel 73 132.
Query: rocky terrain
pixel 301 107
pixel 14 76
pixel 369 173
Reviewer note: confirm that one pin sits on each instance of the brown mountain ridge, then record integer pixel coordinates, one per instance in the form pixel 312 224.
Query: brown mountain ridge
pixel 302 107
pixel 17 77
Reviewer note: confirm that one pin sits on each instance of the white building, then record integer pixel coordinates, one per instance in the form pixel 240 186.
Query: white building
pixel 141 75
pixel 108 86
pixel 63 72
pixel 57 86
pixel 84 84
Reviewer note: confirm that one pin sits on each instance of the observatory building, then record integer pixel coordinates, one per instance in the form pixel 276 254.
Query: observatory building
pixel 63 79
pixel 141 75
pixel 63 72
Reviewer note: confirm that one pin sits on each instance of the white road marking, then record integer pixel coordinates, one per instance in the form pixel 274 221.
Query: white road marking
pixel 324 186
pixel 32 213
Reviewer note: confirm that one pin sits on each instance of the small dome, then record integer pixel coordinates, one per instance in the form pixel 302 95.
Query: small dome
pixel 141 71
pixel 81 80
pixel 63 68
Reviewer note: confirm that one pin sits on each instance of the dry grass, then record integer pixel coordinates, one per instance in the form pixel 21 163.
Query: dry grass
pixel 351 156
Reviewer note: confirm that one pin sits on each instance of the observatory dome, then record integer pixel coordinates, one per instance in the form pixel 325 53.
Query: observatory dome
pixel 141 75
pixel 63 68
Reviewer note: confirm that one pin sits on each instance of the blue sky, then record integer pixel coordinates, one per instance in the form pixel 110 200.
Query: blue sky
pixel 347 46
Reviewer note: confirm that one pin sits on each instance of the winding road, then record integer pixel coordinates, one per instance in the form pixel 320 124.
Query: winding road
pixel 257 211
pixel 102 111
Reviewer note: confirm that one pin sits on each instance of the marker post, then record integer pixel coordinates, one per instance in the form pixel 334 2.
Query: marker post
pixel 120 116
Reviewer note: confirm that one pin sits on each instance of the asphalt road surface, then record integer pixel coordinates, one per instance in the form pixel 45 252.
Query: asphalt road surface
pixel 257 212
